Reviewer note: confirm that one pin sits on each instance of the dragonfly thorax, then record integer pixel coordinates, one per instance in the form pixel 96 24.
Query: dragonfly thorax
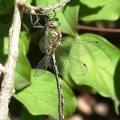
pixel 54 39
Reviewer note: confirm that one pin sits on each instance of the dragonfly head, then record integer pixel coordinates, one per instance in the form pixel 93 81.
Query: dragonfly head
pixel 54 22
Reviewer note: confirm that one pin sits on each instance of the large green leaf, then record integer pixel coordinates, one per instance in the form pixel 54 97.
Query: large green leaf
pixel 94 4
pixel 6 6
pixel 23 68
pixel 29 1
pixel 3 42
pixel 46 2
pixel 4 30
pixel 25 114
pixel 41 96
pixel 102 72
pixel 8 118
pixel 9 3
pixel 22 72
pixel 105 12
pixel 24 42
pixel 68 18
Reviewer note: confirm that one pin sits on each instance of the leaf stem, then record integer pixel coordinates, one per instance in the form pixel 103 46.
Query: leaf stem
pixel 98 29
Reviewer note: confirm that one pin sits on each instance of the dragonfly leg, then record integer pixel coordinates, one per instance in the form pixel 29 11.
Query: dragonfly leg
pixel 36 24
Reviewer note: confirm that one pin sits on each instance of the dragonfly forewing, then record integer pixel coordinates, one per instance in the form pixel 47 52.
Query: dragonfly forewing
pixel 79 46
pixel 67 63
pixel 88 47
pixel 43 44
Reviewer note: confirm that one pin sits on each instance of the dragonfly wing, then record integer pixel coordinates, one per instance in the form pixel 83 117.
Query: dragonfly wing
pixel 42 66
pixel 69 47
pixel 81 47
pixel 77 67
pixel 43 44
pixel 46 41
pixel 68 65
pixel 87 47
pixel 65 45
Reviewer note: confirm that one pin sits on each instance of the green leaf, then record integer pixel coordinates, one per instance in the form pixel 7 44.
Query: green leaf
pixel 24 42
pixel 25 114
pixel 4 30
pixel 3 42
pixel 3 49
pixel 29 1
pixel 105 12
pixel 41 96
pixel 94 4
pixel 6 6
pixel 8 118
pixel 101 67
pixel 9 3
pixel 23 68
pixel 46 2
pixel 69 18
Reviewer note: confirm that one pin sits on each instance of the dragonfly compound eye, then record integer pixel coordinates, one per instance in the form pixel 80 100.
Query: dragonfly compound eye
pixel 56 23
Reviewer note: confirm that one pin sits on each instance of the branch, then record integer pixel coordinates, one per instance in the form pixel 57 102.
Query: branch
pixel 7 87
pixel 43 8
pixel 99 29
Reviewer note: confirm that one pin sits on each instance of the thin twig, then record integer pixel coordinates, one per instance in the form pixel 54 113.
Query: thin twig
pixel 43 8
pixel 99 29
pixel 7 87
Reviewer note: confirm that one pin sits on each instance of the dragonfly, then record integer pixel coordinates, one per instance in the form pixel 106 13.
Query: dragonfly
pixel 58 57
